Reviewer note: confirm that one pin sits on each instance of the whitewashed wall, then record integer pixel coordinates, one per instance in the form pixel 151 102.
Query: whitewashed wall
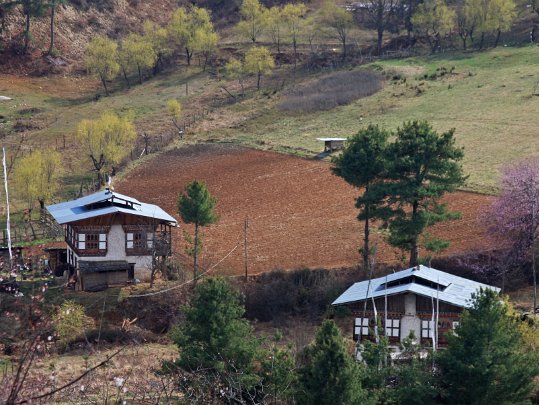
pixel 410 321
pixel 116 251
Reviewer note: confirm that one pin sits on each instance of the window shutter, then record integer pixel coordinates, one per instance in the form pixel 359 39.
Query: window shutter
pixel 102 241
pixel 149 240
pixel 361 326
pixel 426 329
pixel 130 240
pixel 82 241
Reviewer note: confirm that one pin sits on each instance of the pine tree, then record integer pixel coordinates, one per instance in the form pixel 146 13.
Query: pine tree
pixel 215 342
pixel 487 361
pixel 330 375
pixel 196 206
pixel 424 166
pixel 362 163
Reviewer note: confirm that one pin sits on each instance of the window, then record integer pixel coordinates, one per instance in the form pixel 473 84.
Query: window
pixel 393 328
pixel 139 241
pixel 361 327
pixel 91 242
pixel 427 328
pixel 87 240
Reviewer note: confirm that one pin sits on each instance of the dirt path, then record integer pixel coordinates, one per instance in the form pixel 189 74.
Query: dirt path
pixel 299 213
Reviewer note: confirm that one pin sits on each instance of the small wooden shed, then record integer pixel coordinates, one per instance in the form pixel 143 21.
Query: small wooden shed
pixel 95 276
pixel 332 144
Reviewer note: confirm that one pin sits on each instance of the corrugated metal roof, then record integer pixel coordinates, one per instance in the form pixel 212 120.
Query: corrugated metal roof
pixel 76 210
pixel 453 289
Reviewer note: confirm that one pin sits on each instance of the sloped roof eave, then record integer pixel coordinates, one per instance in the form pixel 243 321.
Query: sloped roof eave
pixel 76 210
pixel 456 290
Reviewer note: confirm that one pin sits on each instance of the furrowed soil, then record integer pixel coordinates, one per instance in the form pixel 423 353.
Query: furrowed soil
pixel 299 214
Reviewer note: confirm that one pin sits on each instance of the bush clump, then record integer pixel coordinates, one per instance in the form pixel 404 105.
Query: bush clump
pixel 300 292
pixel 332 90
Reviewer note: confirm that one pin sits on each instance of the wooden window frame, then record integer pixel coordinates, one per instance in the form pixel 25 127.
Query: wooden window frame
pixel 361 327
pixel 429 329
pixel 77 238
pixel 139 240
pixel 393 324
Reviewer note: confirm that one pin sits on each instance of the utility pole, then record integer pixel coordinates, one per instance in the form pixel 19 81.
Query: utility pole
pixel 246 226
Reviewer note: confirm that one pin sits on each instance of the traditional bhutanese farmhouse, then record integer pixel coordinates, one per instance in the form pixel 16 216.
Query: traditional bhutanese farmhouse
pixel 112 238
pixel 420 299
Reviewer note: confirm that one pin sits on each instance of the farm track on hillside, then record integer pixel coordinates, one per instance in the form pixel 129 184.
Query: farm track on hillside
pixel 299 213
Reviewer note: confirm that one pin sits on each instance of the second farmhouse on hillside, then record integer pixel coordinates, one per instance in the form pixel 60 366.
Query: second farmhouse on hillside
pixel 422 300
pixel 112 238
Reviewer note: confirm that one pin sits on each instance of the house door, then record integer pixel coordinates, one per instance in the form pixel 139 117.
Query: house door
pixel 131 271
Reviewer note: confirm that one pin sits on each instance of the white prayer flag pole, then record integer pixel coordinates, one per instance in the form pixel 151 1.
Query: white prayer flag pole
pixel 8 225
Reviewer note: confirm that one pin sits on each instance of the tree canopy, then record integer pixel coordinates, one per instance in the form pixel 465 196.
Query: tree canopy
pixel 513 217
pixel 102 60
pixel 197 206
pixel 253 19
pixel 258 61
pixel 215 340
pixel 292 15
pixel 424 166
pixel 106 141
pixel 362 163
pixel 434 19
pixel 486 361
pixel 330 374
pixel 339 21
pixel 37 176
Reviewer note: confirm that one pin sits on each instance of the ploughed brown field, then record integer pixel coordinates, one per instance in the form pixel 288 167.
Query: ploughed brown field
pixel 299 213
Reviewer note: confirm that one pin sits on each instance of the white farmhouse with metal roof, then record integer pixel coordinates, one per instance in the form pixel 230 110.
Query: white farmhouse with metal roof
pixel 419 299
pixel 112 238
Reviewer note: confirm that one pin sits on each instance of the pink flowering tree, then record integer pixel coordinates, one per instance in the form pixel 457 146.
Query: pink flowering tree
pixel 513 217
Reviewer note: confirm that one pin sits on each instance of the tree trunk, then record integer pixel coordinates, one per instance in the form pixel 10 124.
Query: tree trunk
pixel 366 248
pixel 482 41
pixel 188 56
pixel 344 47
pixel 295 45
pixel 195 255
pixel 414 255
pixel 436 43
pixel 139 74
pixel 432 45
pixel 464 38
pixel 205 63
pixel 156 66
pixel 31 224
pixel 27 29
pixel 380 32
pixel 258 81
pixel 126 78
pixel 154 269
pixel 497 38
pixel 104 85
pixel 41 204
pixel 53 7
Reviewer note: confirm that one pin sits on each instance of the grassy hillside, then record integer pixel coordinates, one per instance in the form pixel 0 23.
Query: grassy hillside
pixel 489 99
